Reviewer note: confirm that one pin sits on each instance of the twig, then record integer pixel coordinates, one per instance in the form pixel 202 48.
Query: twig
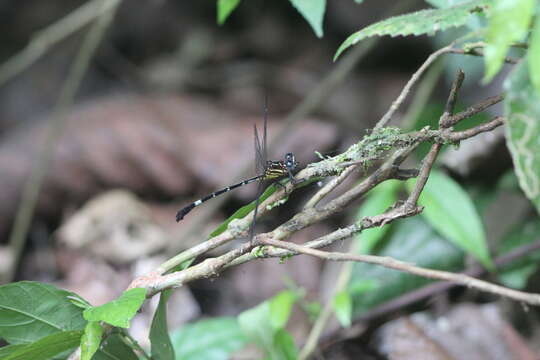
pixel 452 98
pixel 33 185
pixel 532 299
pixel 478 52
pixel 439 287
pixel 465 134
pixel 473 110
pixel 329 187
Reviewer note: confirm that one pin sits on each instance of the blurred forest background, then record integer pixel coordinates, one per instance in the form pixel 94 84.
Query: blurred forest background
pixel 165 114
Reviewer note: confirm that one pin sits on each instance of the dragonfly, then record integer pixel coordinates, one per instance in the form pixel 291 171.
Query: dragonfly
pixel 267 170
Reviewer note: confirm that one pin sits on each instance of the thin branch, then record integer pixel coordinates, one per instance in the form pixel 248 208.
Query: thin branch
pixel 466 134
pixel 478 52
pixel 532 299
pixel 439 287
pixel 452 98
pixel 329 187
pixel 473 110
pixel 427 164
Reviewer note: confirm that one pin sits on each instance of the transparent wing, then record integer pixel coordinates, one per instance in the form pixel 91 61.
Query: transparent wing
pixel 265 119
pixel 259 156
pixel 260 163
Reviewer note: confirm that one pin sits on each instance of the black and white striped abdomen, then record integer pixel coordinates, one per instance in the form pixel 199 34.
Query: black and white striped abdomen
pixel 184 211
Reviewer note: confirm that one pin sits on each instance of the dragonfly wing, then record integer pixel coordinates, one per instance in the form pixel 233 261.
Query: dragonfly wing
pixel 259 156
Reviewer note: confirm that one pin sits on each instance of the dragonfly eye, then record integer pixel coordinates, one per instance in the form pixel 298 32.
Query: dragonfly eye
pixel 290 161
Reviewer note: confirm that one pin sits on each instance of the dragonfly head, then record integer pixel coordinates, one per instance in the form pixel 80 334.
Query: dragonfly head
pixel 290 161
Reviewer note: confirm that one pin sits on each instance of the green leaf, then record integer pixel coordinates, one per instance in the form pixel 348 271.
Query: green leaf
pixel 361 286
pixel 257 326
pixel 10 349
pixel 377 201
pixel 120 311
pixel 534 55
pixel 414 241
pixel 280 308
pixel 313 12
pixel 114 348
pixel 284 346
pixel 517 273
pixel 210 339
pixel 343 308
pixel 260 325
pixel 522 109
pixel 79 302
pixel 421 22
pixel 509 22
pixel 450 210
pixel 160 341
pixel 48 346
pixel 313 309
pixel 91 340
pixel 224 9
pixel 30 311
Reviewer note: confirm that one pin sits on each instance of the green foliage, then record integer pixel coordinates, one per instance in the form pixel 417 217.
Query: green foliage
pixel 522 108
pixel 534 56
pixel 9 349
pixel 118 312
pixel 517 273
pixel 91 340
pixel 31 311
pixel 377 201
pixel 265 326
pixel 160 341
pixel 280 308
pixel 114 348
pixel 411 240
pixel 419 23
pixel 313 12
pixel 508 23
pixel 47 347
pixel 342 305
pixel 450 210
pixel 211 339
pixel 284 346
pixel 224 9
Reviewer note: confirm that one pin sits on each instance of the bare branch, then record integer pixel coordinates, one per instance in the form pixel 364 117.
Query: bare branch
pixel 532 299
pixel 473 110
